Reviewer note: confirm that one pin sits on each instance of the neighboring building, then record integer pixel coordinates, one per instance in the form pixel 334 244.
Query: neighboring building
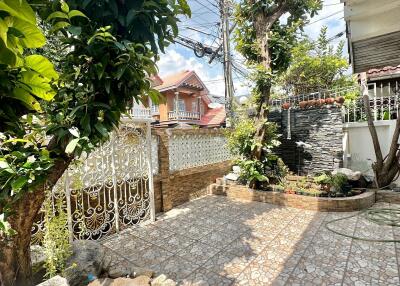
pixel 373 32
pixel 186 102
pixel 384 82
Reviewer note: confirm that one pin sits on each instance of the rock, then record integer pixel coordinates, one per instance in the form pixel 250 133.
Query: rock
pixel 88 259
pixel 236 170
pixel 138 281
pixel 140 271
pixel 162 280
pixel 350 174
pixel 55 281
pixel 232 177
pixel 119 270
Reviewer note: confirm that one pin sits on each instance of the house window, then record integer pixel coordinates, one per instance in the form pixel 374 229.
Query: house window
pixel 181 105
pixel 195 107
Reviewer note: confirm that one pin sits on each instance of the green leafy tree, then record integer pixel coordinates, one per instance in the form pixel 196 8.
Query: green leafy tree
pixel 63 98
pixel 316 65
pixel 266 44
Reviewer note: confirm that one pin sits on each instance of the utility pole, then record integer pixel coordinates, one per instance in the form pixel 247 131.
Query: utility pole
pixel 224 9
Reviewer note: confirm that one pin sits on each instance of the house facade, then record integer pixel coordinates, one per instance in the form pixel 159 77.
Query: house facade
pixel 186 102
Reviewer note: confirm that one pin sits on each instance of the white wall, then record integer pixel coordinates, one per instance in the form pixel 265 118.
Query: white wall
pixel 371 18
pixel 357 144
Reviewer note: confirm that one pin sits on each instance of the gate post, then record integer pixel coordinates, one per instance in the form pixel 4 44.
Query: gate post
pixel 114 180
pixel 67 192
pixel 150 171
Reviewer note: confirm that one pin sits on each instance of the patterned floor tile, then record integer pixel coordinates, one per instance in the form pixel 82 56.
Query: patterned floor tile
pixel 198 253
pixel 175 268
pixel 202 277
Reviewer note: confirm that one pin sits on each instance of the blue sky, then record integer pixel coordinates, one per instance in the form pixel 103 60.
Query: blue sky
pixel 205 17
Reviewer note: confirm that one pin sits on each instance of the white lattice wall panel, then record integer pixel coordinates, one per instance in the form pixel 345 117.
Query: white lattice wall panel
pixel 193 150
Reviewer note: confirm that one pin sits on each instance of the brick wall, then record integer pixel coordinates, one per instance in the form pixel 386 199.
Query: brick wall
pixel 172 188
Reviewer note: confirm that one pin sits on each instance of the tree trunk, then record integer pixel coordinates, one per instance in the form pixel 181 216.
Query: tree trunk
pixel 385 169
pixel 15 257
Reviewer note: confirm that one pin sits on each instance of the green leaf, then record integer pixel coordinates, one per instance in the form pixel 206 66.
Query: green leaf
pixel 75 30
pixel 3 164
pixel 36 85
pixel 26 98
pixel 74 131
pixel 101 129
pixel 58 26
pixel 76 13
pixel 19 183
pixel 19 9
pixel 33 36
pixel 71 146
pixel 41 65
pixel 57 14
pixel 64 7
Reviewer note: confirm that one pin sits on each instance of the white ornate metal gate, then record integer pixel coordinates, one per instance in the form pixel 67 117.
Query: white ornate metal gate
pixel 111 188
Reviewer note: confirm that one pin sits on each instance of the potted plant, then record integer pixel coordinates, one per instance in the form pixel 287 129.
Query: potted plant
pixel 286 106
pixel 340 100
pixel 303 104
pixel 330 100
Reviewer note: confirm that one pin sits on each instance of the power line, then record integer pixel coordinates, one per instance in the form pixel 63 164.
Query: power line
pixel 326 17
pixel 208 8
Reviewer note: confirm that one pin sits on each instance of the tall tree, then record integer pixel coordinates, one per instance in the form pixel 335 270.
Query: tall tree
pixel 50 116
pixel 316 65
pixel 266 42
pixel 386 169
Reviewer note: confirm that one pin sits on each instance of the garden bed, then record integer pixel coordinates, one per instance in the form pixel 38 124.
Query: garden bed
pixel 324 204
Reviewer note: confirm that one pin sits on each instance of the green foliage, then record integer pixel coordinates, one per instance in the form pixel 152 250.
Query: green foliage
pixel 56 238
pixel 242 142
pixel 104 53
pixel 315 66
pixel 338 181
pixel 322 179
pixel 241 139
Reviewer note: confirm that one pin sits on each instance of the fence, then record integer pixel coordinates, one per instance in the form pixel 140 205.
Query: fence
pixel 108 190
pixel 113 187
pixel 382 108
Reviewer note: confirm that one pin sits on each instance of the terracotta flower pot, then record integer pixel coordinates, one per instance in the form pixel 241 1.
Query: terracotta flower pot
pixel 286 106
pixel 303 104
pixel 321 101
pixel 312 103
pixel 339 99
pixel 330 100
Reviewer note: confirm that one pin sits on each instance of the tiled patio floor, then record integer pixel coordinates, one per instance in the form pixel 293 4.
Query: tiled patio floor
pixel 217 241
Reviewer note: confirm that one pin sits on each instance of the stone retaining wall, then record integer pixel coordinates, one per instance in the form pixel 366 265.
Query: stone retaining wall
pixel 322 128
pixel 241 192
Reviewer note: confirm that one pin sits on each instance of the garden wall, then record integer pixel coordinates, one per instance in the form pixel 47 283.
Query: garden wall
pixel 189 161
pixel 321 128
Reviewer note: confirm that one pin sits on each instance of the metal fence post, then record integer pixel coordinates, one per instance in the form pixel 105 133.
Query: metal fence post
pixel 67 191
pixel 150 170
pixel 114 179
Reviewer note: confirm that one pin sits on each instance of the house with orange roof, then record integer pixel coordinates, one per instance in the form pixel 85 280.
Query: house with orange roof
pixel 186 101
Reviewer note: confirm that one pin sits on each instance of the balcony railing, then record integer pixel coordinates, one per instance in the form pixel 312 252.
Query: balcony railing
pixel 140 112
pixel 382 108
pixel 183 115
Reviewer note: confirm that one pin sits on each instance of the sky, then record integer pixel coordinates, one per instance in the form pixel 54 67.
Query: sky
pixel 205 17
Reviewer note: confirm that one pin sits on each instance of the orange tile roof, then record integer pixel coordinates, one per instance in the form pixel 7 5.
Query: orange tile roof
pixel 385 71
pixel 173 79
pixel 214 117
